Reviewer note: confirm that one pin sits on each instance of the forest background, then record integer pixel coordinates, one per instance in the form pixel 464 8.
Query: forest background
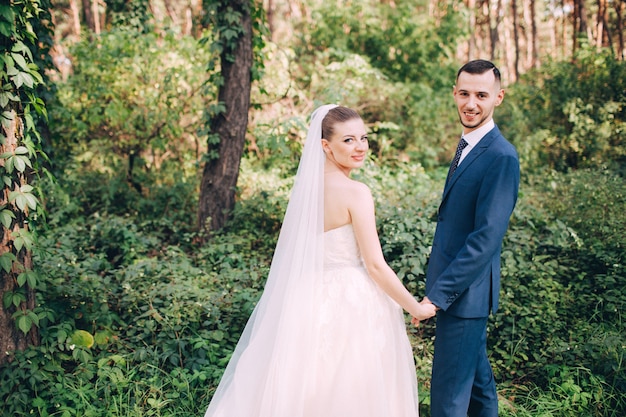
pixel 122 297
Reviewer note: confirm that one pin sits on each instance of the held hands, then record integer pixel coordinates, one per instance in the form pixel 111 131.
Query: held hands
pixel 426 310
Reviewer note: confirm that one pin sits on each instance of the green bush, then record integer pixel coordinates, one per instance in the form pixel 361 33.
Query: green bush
pixel 132 104
pixel 137 323
pixel 570 114
pixel 560 328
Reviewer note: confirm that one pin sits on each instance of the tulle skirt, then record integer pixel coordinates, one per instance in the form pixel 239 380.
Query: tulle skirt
pixel 361 365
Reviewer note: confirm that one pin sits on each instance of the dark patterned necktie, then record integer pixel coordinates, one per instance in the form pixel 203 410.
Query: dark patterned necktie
pixel 457 156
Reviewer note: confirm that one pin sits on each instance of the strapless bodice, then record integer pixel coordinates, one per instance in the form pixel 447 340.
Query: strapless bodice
pixel 341 248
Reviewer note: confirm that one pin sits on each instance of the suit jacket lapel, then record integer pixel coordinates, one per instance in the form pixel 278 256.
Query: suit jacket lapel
pixel 469 159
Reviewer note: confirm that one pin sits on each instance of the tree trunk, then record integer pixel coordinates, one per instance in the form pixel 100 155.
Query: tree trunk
pixel 271 16
pixel 534 37
pixel 471 44
pixel 495 28
pixel 600 19
pixel 563 31
pixel 11 338
pixel 219 178
pixel 579 23
pixel 75 18
pixel 619 7
pixel 515 75
pixel 90 19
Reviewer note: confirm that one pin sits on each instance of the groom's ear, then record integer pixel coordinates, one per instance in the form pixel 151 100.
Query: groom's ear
pixel 500 97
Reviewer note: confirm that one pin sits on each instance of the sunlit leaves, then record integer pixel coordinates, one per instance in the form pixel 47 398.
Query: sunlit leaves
pixel 6 217
pixel 17 160
pixel 23 197
pixel 23 239
pixel 21 23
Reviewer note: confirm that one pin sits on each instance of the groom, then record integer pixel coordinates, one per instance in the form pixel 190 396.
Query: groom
pixel 463 277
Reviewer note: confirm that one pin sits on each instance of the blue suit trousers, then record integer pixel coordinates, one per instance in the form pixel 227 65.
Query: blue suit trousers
pixel 462 379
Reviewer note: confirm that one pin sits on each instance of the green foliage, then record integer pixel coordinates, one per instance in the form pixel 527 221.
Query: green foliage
pixel 573 112
pixel 407 201
pixel 560 328
pixel 278 145
pixel 139 318
pixel 573 391
pixel 392 62
pixel 402 40
pixel 142 334
pixel 141 324
pixel 131 14
pixel 133 97
pixel 24 31
pixel 535 292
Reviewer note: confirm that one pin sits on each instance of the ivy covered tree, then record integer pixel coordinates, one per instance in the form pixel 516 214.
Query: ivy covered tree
pixel 22 25
pixel 237 29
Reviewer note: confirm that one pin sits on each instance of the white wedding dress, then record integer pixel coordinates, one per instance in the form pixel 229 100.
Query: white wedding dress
pixel 360 366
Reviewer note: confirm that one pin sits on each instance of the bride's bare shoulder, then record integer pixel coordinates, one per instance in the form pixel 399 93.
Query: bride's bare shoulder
pixel 351 189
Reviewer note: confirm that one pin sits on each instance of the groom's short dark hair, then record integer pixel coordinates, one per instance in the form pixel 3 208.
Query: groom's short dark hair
pixel 479 66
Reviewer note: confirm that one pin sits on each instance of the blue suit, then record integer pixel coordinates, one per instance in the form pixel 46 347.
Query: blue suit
pixel 463 276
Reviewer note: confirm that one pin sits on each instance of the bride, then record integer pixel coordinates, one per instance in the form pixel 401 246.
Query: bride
pixel 328 337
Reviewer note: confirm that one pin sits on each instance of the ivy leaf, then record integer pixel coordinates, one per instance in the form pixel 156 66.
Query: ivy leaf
pixel 23 197
pixel 35 74
pixel 9 165
pixel 31 279
pixel 19 59
pixel 6 261
pixel 6 218
pixel 24 322
pixel 7 298
pixel 15 298
pixel 6 28
pixel 23 78
pixel 21 162
pixel 26 188
pixel 23 238
pixel 4 99
pixel 7 115
pixel 18 163
pixel 21 47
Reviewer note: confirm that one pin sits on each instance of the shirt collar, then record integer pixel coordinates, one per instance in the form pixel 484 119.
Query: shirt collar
pixel 475 136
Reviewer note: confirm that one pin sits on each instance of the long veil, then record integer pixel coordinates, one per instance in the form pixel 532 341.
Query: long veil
pixel 267 374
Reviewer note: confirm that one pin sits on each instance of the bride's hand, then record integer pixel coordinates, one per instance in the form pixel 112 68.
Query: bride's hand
pixel 426 311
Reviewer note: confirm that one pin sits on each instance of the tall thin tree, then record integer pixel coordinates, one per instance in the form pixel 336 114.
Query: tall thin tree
pixel 619 29
pixel 515 40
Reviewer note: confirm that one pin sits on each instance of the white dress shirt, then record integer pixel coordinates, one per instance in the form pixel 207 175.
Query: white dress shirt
pixel 474 137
